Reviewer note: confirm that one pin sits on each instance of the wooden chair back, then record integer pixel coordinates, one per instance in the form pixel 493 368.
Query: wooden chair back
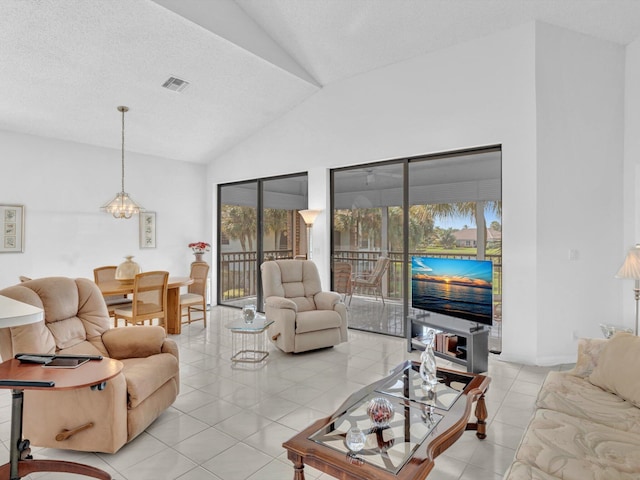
pixel 149 296
pixel 199 273
pixel 104 274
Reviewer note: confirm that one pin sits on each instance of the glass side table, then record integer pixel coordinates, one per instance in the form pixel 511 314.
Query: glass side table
pixel 249 340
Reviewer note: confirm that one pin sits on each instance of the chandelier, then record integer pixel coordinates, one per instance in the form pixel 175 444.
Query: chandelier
pixel 123 205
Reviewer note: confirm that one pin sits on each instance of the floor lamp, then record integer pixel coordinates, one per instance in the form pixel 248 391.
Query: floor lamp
pixel 631 269
pixel 309 216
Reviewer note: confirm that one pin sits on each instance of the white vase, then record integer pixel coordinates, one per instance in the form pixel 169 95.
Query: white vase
pixel 127 270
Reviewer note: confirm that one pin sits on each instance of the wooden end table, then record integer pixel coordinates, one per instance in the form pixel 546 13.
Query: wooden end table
pixel 25 376
pixel 424 424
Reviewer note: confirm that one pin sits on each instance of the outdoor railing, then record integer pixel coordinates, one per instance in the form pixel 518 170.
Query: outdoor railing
pixel 364 262
pixel 238 270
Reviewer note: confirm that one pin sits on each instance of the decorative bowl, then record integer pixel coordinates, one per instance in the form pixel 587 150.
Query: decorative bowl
pixel 380 411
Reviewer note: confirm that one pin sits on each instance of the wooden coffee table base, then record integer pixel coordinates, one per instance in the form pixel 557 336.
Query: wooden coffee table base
pixel 480 426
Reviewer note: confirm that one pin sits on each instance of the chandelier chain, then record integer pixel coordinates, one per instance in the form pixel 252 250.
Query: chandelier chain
pixel 123 110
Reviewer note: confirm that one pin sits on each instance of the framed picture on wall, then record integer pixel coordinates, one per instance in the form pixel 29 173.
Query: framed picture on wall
pixel 148 230
pixel 12 224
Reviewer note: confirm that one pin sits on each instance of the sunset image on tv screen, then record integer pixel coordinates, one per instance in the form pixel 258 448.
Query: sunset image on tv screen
pixel 454 287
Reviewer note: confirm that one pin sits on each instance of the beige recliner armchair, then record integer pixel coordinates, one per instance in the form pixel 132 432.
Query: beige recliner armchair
pixel 77 322
pixel 305 317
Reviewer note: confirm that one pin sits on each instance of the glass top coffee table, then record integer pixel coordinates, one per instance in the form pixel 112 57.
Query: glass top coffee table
pixel 423 424
pixel 248 340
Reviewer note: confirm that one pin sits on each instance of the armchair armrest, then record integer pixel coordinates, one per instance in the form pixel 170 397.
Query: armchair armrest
pixel 326 300
pixel 134 342
pixel 281 302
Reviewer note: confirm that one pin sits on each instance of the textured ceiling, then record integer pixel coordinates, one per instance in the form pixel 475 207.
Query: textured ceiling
pixel 67 65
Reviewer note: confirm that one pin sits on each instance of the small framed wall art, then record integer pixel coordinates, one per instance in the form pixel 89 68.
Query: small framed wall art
pixel 147 229
pixel 12 223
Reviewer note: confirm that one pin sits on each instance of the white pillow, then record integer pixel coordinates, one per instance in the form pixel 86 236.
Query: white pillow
pixel 618 367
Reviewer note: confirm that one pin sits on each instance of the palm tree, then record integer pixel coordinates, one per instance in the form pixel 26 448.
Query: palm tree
pixel 469 210
pixel 346 221
pixel 239 223
pixel 447 238
pixel 276 221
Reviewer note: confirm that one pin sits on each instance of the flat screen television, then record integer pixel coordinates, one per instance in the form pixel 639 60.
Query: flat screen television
pixel 454 287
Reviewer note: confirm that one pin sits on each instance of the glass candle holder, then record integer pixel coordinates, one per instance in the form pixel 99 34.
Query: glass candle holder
pixel 355 439
pixel 249 313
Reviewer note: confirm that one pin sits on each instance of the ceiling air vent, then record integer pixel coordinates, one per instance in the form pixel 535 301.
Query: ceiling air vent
pixel 175 84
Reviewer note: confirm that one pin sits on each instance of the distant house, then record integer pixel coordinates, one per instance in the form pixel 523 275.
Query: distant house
pixel 468 237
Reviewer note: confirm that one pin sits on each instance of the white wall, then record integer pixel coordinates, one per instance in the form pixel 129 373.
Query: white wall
pixel 62 186
pixel 580 115
pixel 553 99
pixel 475 94
pixel 631 176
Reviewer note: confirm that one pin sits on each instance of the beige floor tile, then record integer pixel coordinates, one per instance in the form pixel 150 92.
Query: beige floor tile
pixel 229 421
pixel 238 462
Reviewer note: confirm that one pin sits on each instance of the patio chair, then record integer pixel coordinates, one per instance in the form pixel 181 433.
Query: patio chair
pixel 371 280
pixel 342 278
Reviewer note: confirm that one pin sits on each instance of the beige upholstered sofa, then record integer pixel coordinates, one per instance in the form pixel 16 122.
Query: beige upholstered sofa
pixel 587 421
pixel 305 317
pixel 76 321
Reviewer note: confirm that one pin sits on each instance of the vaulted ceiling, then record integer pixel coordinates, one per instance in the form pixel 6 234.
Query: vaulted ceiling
pixel 67 65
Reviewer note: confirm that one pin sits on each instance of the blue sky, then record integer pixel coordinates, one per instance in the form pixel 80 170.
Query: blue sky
pixel 459 222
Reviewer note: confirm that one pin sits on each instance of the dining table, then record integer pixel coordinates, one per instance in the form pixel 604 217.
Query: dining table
pixel 173 317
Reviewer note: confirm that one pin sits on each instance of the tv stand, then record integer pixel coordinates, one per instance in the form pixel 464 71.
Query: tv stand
pixel 472 339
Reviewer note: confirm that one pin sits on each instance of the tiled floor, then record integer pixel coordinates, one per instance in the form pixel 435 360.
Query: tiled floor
pixel 229 423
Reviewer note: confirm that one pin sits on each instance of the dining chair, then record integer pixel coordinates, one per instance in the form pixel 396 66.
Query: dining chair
pixel 149 299
pixel 372 280
pixel 108 274
pixel 196 297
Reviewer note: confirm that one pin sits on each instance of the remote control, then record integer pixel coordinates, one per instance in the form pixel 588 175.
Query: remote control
pixel 26 383
pixel 33 359
pixel 80 356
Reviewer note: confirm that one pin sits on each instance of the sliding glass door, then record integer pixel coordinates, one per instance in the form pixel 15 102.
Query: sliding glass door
pixel 367 226
pixel 446 205
pixel 257 221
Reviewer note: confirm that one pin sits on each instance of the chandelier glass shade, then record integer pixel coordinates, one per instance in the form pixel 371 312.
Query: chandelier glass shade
pixel 122 206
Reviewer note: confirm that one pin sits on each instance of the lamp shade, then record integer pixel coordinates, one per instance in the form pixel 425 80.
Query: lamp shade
pixel 14 313
pixel 309 216
pixel 631 266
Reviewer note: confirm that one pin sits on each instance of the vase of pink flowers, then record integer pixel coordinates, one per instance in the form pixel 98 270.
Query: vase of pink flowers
pixel 199 249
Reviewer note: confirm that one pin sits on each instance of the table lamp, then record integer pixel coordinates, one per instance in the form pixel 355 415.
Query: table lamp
pixel 309 216
pixel 15 314
pixel 631 269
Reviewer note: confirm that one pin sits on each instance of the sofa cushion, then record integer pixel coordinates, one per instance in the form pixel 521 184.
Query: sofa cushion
pixel 146 375
pixel 521 471
pixel 317 320
pixel 578 397
pixel 619 359
pixel 588 352
pixel 573 448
